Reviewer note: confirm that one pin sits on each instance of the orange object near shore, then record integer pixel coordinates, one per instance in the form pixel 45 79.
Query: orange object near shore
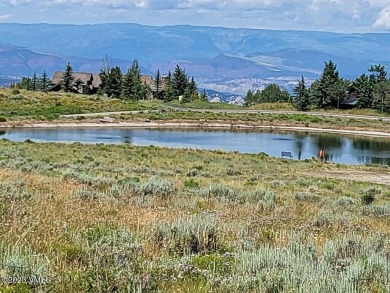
pixel 322 154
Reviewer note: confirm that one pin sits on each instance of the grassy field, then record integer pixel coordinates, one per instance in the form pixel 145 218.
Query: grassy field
pixel 121 218
pixel 254 119
pixel 27 106
pixel 21 104
pixel 24 105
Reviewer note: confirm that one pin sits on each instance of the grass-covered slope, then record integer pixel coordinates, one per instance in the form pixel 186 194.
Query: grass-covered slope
pixel 21 104
pixel 120 218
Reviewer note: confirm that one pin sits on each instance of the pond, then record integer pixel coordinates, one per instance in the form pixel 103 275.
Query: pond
pixel 302 145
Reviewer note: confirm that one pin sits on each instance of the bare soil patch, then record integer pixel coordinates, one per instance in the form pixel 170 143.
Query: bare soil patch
pixel 382 177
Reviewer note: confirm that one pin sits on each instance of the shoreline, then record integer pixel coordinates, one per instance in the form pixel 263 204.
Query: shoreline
pixel 218 125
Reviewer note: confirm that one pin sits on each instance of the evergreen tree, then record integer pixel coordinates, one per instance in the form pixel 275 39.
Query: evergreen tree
pixel 302 101
pixel 111 80
pixel 68 77
pixel 132 86
pixel 127 87
pixel 378 73
pixel 330 88
pixel 249 99
pixel 364 88
pixel 44 82
pixel 144 92
pixel 179 82
pixel 25 83
pixel 158 86
pixel 272 94
pixel 104 77
pixel 28 84
pixel 115 82
pixel 191 91
pixel 203 96
pixel 381 95
pixel 34 82
pixel 169 91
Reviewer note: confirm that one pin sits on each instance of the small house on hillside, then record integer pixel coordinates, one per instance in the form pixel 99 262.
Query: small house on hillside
pixel 351 99
pixel 90 82
pixel 82 82
pixel 151 84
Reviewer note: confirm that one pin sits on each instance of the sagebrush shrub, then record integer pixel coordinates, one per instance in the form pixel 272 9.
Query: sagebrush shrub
pixel 219 190
pixel 197 234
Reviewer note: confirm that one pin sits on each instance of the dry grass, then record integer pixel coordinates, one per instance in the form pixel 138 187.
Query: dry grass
pixel 76 234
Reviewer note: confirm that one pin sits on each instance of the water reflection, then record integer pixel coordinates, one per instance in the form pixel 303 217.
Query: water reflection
pixel 373 160
pixel 302 145
pixel 299 143
pixel 323 141
pixel 374 144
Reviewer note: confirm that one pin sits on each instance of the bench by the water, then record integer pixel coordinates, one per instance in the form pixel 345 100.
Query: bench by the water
pixel 286 155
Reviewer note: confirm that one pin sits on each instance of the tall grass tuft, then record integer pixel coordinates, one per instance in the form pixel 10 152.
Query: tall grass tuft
pixel 197 234
pixel 19 264
pixel 14 190
pixel 155 186
pixel 221 191
pixel 113 262
pixel 264 198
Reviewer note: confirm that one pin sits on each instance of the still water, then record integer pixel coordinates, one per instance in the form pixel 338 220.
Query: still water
pixel 302 145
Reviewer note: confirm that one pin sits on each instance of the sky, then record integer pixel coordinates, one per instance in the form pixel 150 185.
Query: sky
pixel 349 16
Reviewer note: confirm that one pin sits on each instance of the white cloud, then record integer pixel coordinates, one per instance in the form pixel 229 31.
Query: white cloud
pixel 333 15
pixel 4 16
pixel 19 2
pixel 383 20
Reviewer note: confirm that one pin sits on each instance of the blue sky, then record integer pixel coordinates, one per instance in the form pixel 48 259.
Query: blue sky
pixel 323 15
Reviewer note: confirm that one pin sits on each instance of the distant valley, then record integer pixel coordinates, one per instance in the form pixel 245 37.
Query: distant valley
pixel 226 62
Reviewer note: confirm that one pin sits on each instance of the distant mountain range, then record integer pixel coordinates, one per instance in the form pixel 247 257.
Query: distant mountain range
pixel 218 97
pixel 221 59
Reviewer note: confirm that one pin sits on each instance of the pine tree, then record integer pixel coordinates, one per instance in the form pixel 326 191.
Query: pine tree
pixel 191 91
pixel 143 92
pixel 381 95
pixel 249 101
pixel 104 74
pixel 378 73
pixel 115 81
pixel 68 77
pixel 364 88
pixel 158 86
pixel 179 82
pixel 203 96
pixel 132 87
pixel 302 101
pixel 44 82
pixel 111 80
pixel 169 91
pixel 25 83
pixel 127 85
pixel 272 94
pixel 34 82
pixel 330 87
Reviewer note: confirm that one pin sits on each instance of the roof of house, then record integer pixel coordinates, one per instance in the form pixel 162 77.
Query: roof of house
pixel 97 81
pixel 147 79
pixel 82 76
pixel 57 77
pixel 151 83
pixel 350 101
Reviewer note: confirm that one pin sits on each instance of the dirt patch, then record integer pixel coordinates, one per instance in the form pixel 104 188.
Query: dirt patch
pixel 362 176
